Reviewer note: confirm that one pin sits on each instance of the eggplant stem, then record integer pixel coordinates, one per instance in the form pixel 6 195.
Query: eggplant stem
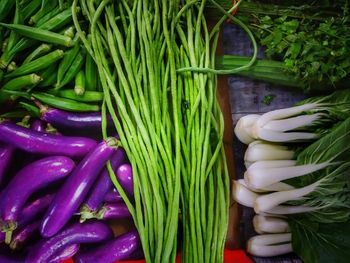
pixel 41 106
pixel 113 142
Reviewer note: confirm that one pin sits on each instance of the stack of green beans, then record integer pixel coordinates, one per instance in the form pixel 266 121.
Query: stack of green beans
pixel 162 83
pixel 42 57
pixel 129 44
pixel 205 178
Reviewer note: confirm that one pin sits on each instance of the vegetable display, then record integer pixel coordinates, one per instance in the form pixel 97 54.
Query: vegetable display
pixel 109 112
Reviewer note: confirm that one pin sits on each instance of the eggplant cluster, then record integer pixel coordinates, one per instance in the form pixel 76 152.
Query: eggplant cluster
pixel 57 198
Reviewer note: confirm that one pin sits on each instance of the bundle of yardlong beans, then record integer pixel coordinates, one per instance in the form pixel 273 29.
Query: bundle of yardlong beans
pixel 169 122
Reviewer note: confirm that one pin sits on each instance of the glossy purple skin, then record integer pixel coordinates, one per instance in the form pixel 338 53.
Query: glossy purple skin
pixel 44 143
pixel 113 196
pixel 104 183
pixel 21 235
pixel 114 211
pixel 31 212
pixel 73 192
pixel 30 179
pixel 124 175
pixel 65 119
pixel 38 125
pixel 89 232
pixel 6 154
pixel 120 248
pixel 66 253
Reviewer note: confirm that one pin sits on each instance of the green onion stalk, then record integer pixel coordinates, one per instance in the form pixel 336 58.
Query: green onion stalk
pixel 156 63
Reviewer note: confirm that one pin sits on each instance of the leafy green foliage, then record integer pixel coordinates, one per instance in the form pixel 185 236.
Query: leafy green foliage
pixel 335 108
pixel 332 196
pixel 321 243
pixel 315 51
pixel 332 147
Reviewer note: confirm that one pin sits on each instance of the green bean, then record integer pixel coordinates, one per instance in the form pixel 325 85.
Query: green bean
pixel 18 19
pixel 14 114
pixel 91 74
pixel 61 19
pixel 57 21
pixel 5 8
pixel 65 104
pixel 66 62
pixel 48 16
pixel 15 94
pixel 79 87
pixel 8 55
pixel 30 9
pixel 49 76
pixel 40 34
pixel 73 70
pixel 40 50
pixel 22 82
pixel 38 64
pixel 88 96
pixel 175 151
pixel 32 110
pixel 47 7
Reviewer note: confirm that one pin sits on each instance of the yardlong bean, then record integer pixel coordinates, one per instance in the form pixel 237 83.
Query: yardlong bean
pixel 156 63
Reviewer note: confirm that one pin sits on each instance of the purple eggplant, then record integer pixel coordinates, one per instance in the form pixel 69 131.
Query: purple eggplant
pixel 8 259
pixel 31 211
pixel 113 196
pixel 22 235
pixel 73 192
pixel 6 154
pixel 113 211
pixel 64 254
pixel 120 248
pixel 38 125
pixel 34 209
pixel 89 232
pixel 28 180
pixel 44 143
pixel 73 120
pixel 124 175
pixel 103 185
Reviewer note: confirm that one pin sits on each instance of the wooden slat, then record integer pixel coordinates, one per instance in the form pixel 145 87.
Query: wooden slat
pixel 232 240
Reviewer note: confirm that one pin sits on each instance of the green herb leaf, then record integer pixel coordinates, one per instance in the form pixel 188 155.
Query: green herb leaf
pixel 321 243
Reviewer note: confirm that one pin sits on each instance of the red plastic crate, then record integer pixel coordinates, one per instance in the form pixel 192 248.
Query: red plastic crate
pixel 231 256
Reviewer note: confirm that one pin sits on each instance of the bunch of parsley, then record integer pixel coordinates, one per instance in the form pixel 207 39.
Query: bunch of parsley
pixel 315 51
